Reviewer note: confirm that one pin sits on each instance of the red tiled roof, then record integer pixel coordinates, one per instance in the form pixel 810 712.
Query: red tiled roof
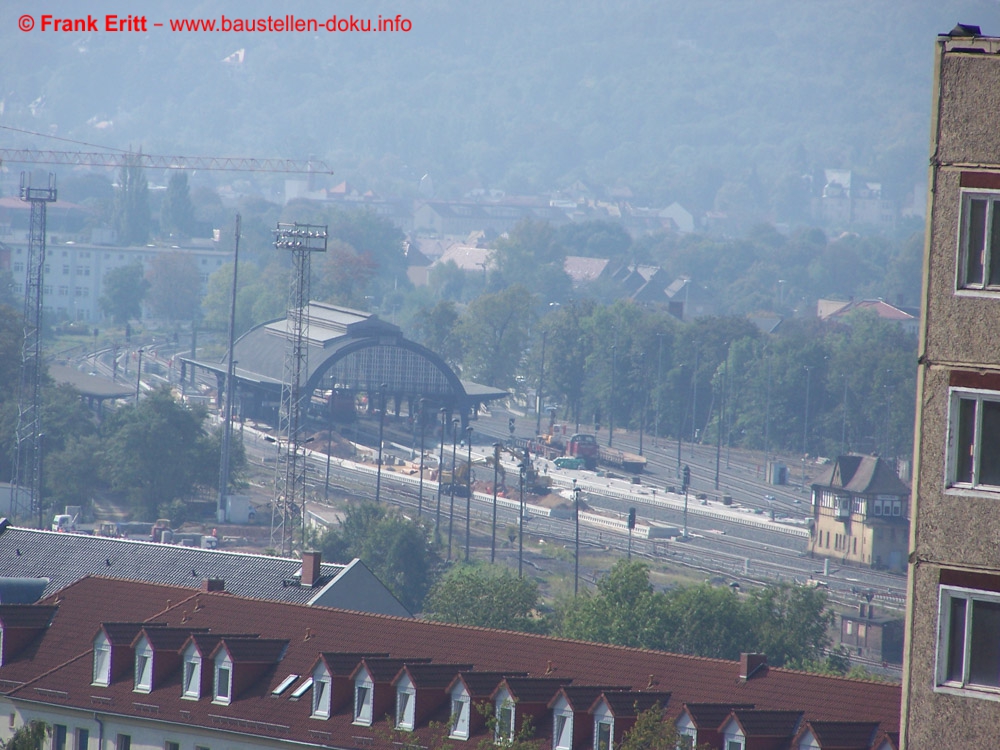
pixel 628 704
pixel 582 697
pixel 755 723
pixel 26 615
pixel 842 735
pixel 88 602
pixel 432 675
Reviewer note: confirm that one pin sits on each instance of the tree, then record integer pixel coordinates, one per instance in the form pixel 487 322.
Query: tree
pixel 157 451
pixel 485 596
pixel 177 211
pixel 30 736
pixel 174 286
pixel 653 730
pixel 435 329
pixel 493 332
pixel 396 549
pixel 131 206
pixel 124 289
pixel 789 623
pixel 625 610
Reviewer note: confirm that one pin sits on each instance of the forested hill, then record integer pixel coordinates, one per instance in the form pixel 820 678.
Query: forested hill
pixel 669 98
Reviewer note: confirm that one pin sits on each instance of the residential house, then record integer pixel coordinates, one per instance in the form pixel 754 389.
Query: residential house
pixel 143 666
pixel 62 559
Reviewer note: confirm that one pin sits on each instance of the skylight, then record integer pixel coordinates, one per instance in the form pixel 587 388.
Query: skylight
pixel 284 684
pixel 301 689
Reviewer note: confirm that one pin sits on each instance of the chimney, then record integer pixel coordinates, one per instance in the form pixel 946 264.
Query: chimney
pixel 750 664
pixel 310 567
pixel 213 584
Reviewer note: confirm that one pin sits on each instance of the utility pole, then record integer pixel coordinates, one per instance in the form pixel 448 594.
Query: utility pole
pixel 538 396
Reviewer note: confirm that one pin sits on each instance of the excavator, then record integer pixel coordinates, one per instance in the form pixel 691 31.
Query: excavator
pixel 534 482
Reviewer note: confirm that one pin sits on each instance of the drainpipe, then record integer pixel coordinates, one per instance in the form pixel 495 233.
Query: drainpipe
pixel 100 732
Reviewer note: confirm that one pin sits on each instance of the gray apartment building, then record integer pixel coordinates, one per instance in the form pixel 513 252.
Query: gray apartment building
pixel 951 680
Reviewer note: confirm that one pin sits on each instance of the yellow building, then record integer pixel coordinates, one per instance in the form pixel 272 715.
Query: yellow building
pixel 861 513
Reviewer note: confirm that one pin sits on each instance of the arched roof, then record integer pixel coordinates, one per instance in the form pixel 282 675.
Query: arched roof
pixel 352 350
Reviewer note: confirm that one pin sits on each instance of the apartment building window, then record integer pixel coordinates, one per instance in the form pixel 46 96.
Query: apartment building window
pixel 978 269
pixel 974 440
pixel 58 737
pixel 102 660
pixel 19 268
pixel 168 745
pixel 123 742
pixel 144 668
pixel 82 739
pixel 968 655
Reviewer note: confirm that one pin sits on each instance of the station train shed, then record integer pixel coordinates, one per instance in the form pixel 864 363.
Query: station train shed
pixel 350 353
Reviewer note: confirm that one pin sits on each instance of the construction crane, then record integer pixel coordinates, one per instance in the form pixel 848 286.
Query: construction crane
pixel 139 159
pixel 26 476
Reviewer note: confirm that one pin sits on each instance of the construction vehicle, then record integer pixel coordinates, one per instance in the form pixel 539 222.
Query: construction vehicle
pixel 459 482
pixel 161 531
pixel 559 442
pixel 535 483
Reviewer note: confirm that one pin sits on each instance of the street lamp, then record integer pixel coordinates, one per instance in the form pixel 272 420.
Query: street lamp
pixel 381 428
pixel 805 425
pixel 645 397
pixel 496 468
pixel 138 376
pixel 451 507
pixel 659 388
pixel 468 492
pixel 538 396
pixel 611 413
pixel 437 513
pixel 520 521
pixel 421 407
pixel 576 543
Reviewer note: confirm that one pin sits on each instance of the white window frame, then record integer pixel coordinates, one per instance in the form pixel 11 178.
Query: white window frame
pixel 322 686
pixel 191 675
pixel 222 691
pixel 978 397
pixel 947 680
pixel 604 721
pixel 102 660
pixel 143 667
pixel 461 704
pixel 963 283
pixel 505 707
pixel 405 712
pixel 562 729
pixel 364 688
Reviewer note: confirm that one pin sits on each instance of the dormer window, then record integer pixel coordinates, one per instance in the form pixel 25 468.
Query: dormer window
pixel 143 667
pixel 460 716
pixel 223 679
pixel 405 698
pixel 562 730
pixel 363 701
pixel 192 674
pixel 505 720
pixel 102 660
pixel 604 732
pixel 322 686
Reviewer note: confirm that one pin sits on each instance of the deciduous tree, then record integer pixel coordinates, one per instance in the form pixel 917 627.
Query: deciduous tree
pixel 174 286
pixel 131 207
pixel 123 293
pixel 485 596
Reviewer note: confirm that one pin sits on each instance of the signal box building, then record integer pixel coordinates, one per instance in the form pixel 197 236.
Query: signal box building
pixel 860 513
pixel 952 654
